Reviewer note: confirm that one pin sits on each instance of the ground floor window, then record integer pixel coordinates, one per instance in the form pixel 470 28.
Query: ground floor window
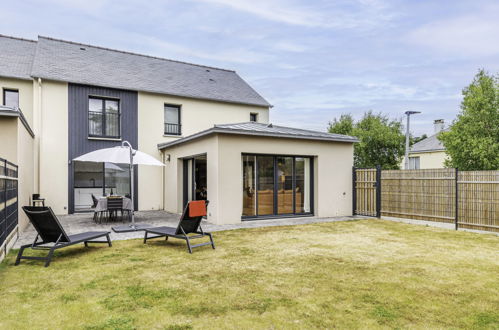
pixel 414 163
pixel 277 185
pixel 99 179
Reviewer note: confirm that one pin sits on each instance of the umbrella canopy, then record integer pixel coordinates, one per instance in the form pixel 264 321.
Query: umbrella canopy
pixel 119 155
pixel 123 154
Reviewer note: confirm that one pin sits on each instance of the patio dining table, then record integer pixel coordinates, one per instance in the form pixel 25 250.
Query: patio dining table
pixel 102 204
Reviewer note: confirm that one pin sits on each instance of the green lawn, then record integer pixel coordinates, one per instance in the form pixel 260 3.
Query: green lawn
pixel 357 274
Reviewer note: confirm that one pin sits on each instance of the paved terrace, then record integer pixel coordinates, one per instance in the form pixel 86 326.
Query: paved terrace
pixel 81 222
pixel 77 223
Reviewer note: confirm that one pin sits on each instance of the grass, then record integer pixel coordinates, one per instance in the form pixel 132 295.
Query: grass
pixel 358 274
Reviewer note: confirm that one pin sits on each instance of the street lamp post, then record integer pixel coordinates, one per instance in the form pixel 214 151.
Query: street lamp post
pixel 408 114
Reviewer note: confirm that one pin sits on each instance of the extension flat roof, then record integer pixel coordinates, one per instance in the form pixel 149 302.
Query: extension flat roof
pixel 260 129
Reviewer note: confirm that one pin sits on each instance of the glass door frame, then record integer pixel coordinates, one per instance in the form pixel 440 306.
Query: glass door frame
pixel 187 162
pixel 275 188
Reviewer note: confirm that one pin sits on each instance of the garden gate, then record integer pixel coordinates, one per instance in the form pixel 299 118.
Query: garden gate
pixel 367 191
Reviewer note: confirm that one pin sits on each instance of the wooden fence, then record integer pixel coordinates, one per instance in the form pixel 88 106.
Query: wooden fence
pixel 469 199
pixel 478 200
pixel 419 194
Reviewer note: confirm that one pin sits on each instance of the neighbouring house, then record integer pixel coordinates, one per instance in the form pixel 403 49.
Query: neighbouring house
pixel 209 127
pixel 430 152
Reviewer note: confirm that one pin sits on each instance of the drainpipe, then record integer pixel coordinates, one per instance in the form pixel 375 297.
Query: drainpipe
pixel 163 181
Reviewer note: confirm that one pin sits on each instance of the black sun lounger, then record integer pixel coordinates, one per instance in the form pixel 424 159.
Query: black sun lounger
pixel 49 229
pixel 190 223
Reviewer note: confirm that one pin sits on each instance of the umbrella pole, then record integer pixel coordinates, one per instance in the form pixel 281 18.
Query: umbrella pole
pixel 131 186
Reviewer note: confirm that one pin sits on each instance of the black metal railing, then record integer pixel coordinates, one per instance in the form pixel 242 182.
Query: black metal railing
pixel 8 199
pixel 173 129
pixel 104 124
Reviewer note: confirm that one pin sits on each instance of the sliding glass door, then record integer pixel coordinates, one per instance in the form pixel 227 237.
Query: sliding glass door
pixel 285 184
pixel 276 185
pixel 265 185
pixel 195 177
pixel 98 179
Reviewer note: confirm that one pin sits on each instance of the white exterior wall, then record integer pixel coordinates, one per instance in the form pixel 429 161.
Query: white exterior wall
pixel 52 132
pixel 25 144
pixel 173 174
pixel 428 160
pixel 8 138
pixel 196 115
pixel 333 163
pixel 25 88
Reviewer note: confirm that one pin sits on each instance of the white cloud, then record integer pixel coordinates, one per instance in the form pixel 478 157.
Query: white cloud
pixel 289 46
pixel 471 35
pixel 234 55
pixel 333 15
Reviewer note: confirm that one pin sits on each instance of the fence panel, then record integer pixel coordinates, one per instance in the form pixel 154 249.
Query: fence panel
pixel 419 194
pixel 365 194
pixel 8 200
pixel 478 200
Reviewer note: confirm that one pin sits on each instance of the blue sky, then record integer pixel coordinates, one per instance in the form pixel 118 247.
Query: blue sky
pixel 313 60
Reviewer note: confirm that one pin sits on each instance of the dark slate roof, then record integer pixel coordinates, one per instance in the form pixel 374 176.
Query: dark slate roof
pixel 85 64
pixel 431 143
pixel 16 57
pixel 259 129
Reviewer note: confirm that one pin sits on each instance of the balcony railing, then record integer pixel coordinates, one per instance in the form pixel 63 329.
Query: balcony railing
pixel 103 124
pixel 173 129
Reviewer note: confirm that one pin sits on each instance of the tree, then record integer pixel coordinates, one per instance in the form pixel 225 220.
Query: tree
pixel 381 139
pixel 416 139
pixel 472 141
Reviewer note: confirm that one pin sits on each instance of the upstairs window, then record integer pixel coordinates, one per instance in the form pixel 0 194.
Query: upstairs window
pixel 11 98
pixel 254 117
pixel 103 117
pixel 172 120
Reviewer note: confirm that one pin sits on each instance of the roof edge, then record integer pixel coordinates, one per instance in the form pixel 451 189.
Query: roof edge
pixel 34 76
pixel 218 130
pixel 426 151
pixel 17 38
pixel 132 53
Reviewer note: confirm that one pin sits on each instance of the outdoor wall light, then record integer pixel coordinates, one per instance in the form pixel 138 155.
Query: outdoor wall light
pixel 168 157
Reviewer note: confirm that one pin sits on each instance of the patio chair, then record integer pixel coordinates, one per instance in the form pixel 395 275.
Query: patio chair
pixel 190 223
pixel 115 204
pixel 49 229
pixel 97 214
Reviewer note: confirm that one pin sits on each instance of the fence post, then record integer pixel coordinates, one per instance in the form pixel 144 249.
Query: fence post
pixel 354 191
pixel 378 191
pixel 457 199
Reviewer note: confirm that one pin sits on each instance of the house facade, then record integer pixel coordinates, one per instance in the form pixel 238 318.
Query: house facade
pixel 64 99
pixel 430 152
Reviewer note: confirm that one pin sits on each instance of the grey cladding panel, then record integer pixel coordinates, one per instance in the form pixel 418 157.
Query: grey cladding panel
pixel 79 143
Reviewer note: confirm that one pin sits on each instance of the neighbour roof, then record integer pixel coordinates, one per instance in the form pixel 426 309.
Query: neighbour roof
pixel 260 129
pixel 431 143
pixel 16 57
pixel 85 64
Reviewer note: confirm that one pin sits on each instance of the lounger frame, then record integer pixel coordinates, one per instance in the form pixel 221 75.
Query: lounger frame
pixel 62 241
pixel 179 232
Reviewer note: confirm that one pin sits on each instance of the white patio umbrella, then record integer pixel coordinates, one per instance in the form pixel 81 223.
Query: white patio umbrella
pixel 123 154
